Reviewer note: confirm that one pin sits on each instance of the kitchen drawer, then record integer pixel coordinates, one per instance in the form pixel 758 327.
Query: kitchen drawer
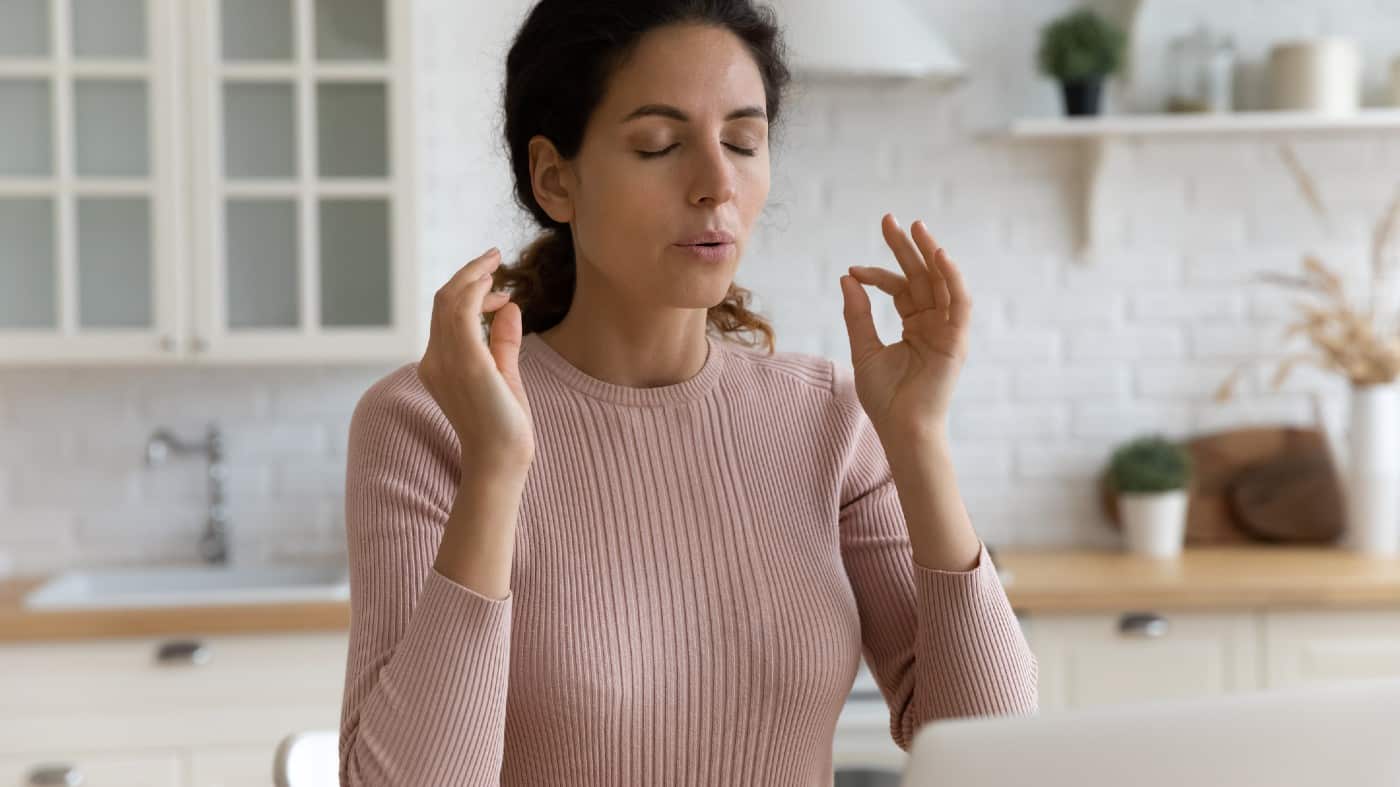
pixel 93 770
pixel 158 673
pixel 1306 647
pixel 137 728
pixel 231 766
pixel 1091 659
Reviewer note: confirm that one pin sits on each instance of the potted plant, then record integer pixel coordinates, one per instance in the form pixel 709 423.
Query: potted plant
pixel 1150 476
pixel 1081 49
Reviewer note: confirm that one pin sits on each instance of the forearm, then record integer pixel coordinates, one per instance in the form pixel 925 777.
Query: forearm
pixel 940 531
pixel 478 547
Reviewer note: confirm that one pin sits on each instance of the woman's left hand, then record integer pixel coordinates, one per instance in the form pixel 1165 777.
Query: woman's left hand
pixel 906 387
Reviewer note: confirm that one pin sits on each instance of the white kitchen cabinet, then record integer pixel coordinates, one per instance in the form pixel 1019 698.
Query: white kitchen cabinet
pixel 1089 659
pixel 215 706
pixel 231 766
pixel 1305 647
pixel 204 182
pixel 93 769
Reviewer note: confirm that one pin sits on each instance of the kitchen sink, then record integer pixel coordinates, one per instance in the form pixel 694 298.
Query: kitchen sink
pixel 190 585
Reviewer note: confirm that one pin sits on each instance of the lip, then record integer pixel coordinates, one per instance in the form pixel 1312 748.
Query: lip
pixel 709 236
pixel 715 253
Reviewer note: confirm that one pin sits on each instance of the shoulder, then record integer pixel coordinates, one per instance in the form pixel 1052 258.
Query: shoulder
pixel 397 408
pixel 829 384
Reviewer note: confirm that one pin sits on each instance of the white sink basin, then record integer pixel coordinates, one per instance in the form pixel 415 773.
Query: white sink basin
pixel 181 586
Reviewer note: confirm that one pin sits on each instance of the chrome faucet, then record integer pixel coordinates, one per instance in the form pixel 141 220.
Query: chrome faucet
pixel 213 543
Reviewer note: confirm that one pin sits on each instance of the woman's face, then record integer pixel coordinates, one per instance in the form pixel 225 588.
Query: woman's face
pixel 692 96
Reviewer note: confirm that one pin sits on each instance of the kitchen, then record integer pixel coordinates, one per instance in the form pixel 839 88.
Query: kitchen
pixel 221 222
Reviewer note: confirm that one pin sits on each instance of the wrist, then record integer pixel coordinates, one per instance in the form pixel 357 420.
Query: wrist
pixel 916 442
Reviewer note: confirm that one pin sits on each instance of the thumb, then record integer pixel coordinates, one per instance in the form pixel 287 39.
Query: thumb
pixel 505 343
pixel 860 325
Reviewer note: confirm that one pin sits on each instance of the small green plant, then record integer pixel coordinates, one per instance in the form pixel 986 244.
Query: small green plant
pixel 1149 464
pixel 1081 45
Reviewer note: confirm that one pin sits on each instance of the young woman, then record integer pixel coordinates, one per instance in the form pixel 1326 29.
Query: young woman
pixel 611 544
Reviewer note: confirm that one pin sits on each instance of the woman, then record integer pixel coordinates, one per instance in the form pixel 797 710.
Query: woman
pixel 609 546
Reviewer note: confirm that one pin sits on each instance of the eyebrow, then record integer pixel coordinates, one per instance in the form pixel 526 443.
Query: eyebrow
pixel 668 111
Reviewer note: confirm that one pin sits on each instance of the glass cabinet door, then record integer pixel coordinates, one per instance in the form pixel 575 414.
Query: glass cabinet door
pixel 302 215
pixel 86 166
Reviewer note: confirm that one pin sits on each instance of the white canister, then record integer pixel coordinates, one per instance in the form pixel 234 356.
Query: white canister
pixel 1316 75
pixel 1154 523
pixel 1395 82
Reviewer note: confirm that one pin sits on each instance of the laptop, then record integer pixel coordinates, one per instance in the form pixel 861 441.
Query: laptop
pixel 1321 735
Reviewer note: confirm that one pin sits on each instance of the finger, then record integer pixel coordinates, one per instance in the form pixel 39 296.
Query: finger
pixel 910 260
pixel 474 269
pixel 928 247
pixel 860 324
pixel 472 296
pixel 960 302
pixel 494 300
pixel 888 282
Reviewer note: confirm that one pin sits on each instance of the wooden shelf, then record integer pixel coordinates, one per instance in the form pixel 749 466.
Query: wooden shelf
pixel 1255 122
pixel 1107 136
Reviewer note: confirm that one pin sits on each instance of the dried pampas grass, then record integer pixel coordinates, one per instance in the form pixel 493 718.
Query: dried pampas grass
pixel 1355 343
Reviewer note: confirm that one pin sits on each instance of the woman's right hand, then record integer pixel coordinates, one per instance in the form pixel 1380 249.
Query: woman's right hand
pixel 478 385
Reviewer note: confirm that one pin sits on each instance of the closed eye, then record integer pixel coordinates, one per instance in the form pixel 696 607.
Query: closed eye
pixel 646 154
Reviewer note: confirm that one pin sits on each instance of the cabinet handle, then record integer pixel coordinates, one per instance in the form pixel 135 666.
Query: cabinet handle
pixel 199 344
pixel 185 651
pixel 60 775
pixel 167 343
pixel 1142 624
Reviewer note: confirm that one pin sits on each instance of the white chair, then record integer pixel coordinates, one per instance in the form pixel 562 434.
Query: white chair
pixel 308 759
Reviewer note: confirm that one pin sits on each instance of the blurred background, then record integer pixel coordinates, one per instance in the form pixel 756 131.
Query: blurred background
pixel 222 220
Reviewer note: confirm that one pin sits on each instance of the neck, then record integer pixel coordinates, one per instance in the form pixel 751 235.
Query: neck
pixel 621 353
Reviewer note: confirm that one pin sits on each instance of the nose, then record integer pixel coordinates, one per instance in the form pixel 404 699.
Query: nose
pixel 714 180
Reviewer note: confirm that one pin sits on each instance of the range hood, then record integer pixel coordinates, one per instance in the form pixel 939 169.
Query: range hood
pixel 863 38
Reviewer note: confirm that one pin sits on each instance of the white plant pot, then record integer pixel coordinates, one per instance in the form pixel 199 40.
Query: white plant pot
pixel 1154 523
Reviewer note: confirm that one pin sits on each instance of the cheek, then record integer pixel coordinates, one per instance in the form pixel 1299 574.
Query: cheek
pixel 753 194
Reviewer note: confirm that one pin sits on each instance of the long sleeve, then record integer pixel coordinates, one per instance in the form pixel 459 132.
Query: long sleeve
pixel 428 661
pixel 940 644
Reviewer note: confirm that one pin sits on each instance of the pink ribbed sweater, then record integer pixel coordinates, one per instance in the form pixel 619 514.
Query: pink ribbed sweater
pixel 698 569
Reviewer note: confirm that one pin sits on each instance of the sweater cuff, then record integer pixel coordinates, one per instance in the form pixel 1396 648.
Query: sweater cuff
pixel 968 629
pixel 453 625
pixel 984 561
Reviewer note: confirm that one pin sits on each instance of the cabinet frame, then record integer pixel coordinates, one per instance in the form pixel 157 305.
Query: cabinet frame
pixel 187 191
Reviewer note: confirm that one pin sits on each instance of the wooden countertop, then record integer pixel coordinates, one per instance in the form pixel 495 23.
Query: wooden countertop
pixel 1234 577
pixel 1036 580
pixel 18 624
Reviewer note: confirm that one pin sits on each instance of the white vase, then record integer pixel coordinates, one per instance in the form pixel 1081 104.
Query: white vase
pixel 1154 523
pixel 1372 470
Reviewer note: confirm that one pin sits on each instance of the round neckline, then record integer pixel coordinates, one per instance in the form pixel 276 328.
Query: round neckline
pixel 699 384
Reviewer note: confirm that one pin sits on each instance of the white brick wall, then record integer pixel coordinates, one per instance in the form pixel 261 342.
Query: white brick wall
pixel 1066 358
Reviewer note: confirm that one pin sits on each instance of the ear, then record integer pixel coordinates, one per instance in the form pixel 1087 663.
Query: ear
pixel 551 179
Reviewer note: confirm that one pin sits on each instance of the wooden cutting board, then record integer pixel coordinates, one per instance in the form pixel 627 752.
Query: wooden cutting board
pixel 1258 484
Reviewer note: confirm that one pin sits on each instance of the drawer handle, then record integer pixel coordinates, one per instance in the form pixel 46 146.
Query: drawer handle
pixel 59 775
pixel 184 651
pixel 1142 624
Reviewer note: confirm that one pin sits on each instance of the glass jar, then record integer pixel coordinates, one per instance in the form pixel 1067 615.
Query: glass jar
pixel 1201 71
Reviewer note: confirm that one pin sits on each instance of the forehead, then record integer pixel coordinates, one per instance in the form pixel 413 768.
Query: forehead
pixel 701 69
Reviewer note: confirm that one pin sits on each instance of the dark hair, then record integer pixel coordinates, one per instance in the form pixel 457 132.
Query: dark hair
pixel 556 74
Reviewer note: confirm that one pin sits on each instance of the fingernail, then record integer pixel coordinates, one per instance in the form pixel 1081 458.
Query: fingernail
pixel 492 250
